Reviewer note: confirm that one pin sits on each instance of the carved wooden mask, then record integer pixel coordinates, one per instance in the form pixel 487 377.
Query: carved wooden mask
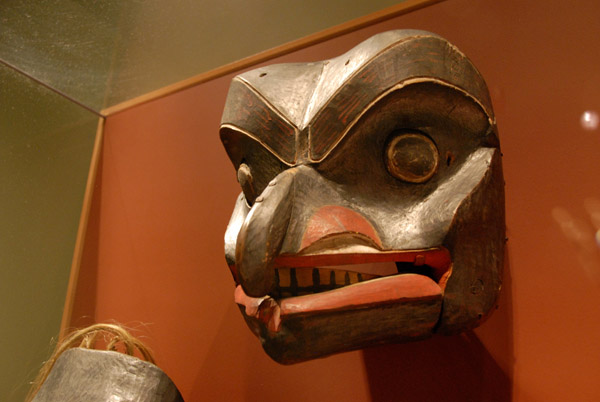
pixel 372 208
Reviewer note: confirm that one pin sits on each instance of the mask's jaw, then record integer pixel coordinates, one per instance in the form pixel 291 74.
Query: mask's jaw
pixel 359 309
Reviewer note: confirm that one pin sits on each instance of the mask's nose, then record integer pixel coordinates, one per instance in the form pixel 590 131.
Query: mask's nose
pixel 262 233
pixel 288 219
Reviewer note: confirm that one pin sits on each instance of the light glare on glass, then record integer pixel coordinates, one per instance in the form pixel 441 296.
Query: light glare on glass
pixel 589 120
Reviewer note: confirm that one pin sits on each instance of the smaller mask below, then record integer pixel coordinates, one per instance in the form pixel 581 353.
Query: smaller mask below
pixel 100 376
pixel 79 371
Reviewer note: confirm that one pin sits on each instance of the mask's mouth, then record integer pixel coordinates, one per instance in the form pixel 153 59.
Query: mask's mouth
pixel 348 279
pixel 316 273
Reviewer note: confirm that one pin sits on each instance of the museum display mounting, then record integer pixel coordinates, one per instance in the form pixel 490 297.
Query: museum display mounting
pixel 372 204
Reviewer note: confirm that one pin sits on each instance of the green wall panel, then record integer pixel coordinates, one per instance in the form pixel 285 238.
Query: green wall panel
pixel 46 144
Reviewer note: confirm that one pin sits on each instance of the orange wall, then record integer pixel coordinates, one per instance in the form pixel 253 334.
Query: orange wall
pixel 154 249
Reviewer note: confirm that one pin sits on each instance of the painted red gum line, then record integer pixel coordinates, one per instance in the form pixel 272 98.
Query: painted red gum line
pixel 400 288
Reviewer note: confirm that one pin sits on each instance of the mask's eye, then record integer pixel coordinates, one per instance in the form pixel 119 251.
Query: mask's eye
pixel 411 157
pixel 244 176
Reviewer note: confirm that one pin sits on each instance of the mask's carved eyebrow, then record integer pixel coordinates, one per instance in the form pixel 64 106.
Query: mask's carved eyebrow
pixel 263 107
pixel 420 59
pixel 252 114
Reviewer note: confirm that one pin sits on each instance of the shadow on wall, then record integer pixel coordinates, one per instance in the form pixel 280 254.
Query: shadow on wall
pixel 448 368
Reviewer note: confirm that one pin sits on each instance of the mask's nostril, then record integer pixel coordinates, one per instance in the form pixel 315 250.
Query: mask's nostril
pixel 244 176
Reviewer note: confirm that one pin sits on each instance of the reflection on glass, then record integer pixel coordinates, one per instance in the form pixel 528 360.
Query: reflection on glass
pixel 589 120
pixel 583 235
pixel 592 206
pixel 45 149
pixel 105 52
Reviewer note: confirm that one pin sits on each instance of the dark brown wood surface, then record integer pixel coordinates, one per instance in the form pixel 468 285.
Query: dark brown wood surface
pixel 384 221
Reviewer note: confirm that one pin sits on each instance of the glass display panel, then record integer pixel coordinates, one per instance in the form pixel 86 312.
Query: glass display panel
pixel 46 144
pixel 104 53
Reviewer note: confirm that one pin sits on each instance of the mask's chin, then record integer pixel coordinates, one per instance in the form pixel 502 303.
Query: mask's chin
pixel 326 303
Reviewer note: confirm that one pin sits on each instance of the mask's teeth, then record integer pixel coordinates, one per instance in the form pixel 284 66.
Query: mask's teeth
pixel 300 281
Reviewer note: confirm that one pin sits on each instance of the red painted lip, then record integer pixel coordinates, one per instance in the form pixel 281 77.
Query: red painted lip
pixel 400 288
